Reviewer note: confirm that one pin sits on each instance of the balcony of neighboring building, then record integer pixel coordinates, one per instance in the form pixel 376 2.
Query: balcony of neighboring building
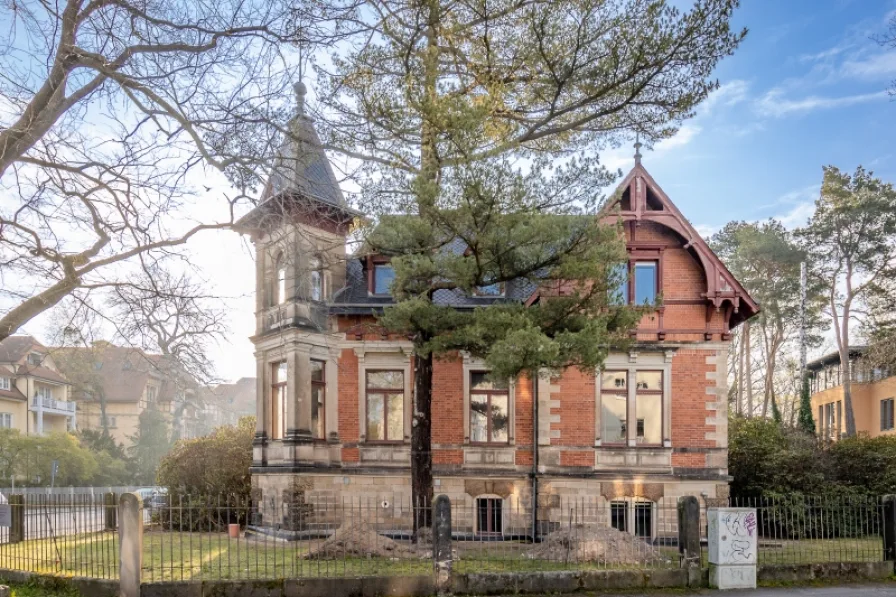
pixel 50 411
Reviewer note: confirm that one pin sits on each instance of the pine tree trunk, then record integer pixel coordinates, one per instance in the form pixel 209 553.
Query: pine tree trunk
pixel 846 372
pixel 421 443
pixel 427 192
pixel 740 375
pixel 748 369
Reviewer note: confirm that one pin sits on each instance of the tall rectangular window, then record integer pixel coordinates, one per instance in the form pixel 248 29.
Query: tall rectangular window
pixel 383 276
pixel 489 409
pixel 839 418
pixel 5 383
pixel 619 287
pixel 385 406
pixel 5 420
pixel 645 280
pixel 318 291
pixel 278 400
pixel 649 407
pixel 43 392
pixel 614 398
pixel 318 399
pixel 886 414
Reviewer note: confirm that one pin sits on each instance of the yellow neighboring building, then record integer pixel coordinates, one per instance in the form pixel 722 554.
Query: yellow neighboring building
pixel 873 395
pixel 34 395
pixel 113 385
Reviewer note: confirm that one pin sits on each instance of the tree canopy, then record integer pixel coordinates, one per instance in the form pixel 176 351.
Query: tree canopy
pixel 485 121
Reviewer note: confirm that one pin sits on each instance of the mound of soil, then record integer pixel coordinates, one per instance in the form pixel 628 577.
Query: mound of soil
pixel 358 540
pixel 593 543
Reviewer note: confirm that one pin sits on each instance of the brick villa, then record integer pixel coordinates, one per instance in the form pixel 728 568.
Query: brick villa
pixel 334 393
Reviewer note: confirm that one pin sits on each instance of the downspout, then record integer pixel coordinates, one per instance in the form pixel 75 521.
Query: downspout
pixel 534 473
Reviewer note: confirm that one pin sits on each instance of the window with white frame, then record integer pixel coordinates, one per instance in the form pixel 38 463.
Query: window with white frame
pixel 5 383
pixel 43 392
pixel 5 420
pixel 633 400
pixel 384 391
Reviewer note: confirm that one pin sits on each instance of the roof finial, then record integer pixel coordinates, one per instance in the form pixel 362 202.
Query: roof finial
pixel 301 90
pixel 637 149
pixel 299 86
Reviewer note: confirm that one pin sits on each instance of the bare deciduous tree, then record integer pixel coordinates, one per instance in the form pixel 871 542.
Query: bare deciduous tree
pixel 113 115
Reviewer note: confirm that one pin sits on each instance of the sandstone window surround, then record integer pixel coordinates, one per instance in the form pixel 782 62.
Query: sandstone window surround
pixel 473 365
pixel 628 365
pixel 302 373
pixel 384 356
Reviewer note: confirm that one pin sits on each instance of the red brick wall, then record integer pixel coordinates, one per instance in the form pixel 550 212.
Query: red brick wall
pixel 576 398
pixel 349 431
pixel 689 398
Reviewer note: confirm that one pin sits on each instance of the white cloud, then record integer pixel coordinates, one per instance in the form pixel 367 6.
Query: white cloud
pixel 774 104
pixel 875 67
pixel 728 94
pixel 705 230
pixel 623 157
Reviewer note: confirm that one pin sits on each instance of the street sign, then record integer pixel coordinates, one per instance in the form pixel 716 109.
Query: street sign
pixel 5 515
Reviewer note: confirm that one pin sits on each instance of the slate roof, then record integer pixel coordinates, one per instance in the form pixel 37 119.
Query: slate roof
pixel 354 299
pixel 301 170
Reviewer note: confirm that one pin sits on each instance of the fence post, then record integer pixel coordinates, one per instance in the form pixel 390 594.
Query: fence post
pixel 110 513
pixel 130 544
pixel 441 543
pixel 17 524
pixel 689 531
pixel 889 529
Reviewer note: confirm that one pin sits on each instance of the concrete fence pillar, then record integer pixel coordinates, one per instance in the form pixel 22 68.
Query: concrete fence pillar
pixel 110 511
pixel 4 591
pixel 130 543
pixel 17 524
pixel 689 531
pixel 441 543
pixel 889 527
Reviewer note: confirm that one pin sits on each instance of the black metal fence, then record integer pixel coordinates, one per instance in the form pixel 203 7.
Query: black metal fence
pixel 192 538
pixel 801 529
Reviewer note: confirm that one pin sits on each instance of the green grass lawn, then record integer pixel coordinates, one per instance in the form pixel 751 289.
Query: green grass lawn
pixel 195 556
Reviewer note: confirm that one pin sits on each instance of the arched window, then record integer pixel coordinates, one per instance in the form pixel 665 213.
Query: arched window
pixel 280 288
pixel 318 291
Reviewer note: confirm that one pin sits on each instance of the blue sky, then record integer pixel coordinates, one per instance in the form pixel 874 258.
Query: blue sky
pixel 806 88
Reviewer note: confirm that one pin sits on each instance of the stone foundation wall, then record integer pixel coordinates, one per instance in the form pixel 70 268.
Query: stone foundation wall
pixel 317 501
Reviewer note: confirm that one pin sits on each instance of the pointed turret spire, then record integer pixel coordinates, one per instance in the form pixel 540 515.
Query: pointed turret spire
pixel 637 148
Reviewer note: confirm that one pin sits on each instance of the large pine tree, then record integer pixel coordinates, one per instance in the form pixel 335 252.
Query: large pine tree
pixel 484 119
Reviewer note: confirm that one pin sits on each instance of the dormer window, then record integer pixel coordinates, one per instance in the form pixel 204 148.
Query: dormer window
pixel 34 359
pixel 5 383
pixel 383 275
pixel 490 290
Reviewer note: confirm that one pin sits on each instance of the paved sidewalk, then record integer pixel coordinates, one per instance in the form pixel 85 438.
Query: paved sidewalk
pixel 846 590
pixel 877 590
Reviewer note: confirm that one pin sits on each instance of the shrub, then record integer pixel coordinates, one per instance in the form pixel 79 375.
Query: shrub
pixel 208 478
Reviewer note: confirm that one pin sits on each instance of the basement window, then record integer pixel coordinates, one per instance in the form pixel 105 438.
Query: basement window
pixel 489 519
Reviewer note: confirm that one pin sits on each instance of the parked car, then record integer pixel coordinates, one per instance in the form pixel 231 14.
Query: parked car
pixel 153 497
